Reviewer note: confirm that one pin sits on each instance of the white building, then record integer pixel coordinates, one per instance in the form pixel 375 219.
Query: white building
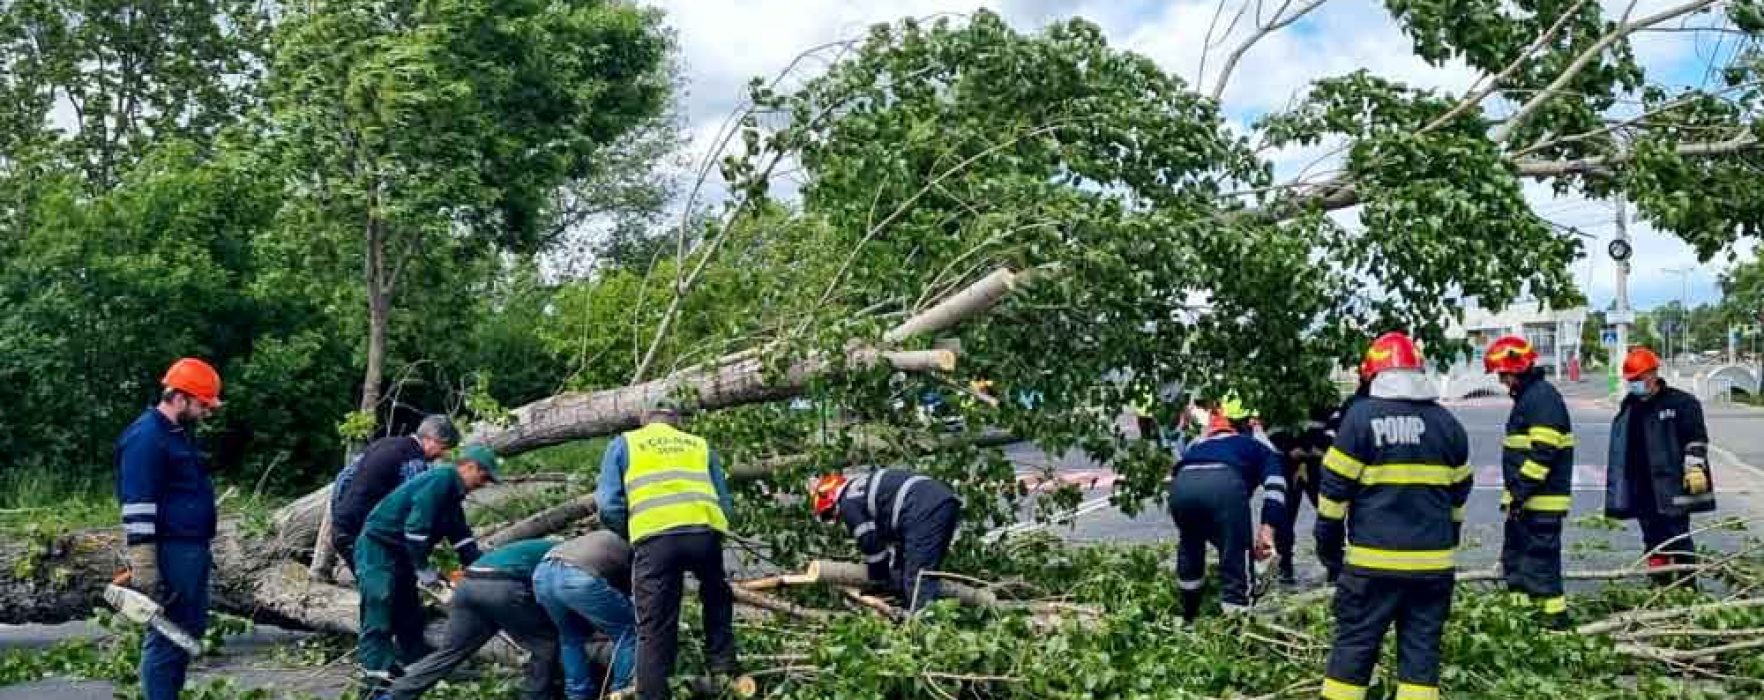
pixel 1554 332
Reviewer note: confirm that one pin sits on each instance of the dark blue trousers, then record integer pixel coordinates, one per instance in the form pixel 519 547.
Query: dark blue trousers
pixel 184 567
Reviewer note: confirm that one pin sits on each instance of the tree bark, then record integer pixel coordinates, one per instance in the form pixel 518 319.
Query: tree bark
pixel 379 313
pixel 324 554
pixel 585 415
pixel 736 380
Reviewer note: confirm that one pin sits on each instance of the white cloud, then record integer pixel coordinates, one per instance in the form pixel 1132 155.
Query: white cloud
pixel 727 43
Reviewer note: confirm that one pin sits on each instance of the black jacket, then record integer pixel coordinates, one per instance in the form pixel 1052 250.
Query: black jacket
pixel 878 506
pixel 386 464
pixel 1397 478
pixel 1537 456
pixel 1676 438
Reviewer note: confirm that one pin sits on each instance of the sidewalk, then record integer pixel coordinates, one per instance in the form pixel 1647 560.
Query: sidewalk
pixel 1736 450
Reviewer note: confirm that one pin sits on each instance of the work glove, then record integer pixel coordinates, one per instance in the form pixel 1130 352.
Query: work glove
pixel 1696 479
pixel 428 578
pixel 144 569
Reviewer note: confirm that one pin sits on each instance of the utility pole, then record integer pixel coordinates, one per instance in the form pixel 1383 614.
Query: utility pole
pixel 1621 316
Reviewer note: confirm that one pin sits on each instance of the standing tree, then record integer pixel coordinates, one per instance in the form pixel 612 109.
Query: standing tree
pixel 129 72
pixel 430 131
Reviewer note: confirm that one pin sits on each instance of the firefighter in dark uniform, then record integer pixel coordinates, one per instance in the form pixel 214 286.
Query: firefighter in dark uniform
pixel 1210 502
pixel 1394 488
pixel 1658 470
pixel 1302 449
pixel 894 510
pixel 1537 468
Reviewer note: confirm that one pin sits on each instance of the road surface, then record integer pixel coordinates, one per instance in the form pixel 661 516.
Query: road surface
pixel 1737 432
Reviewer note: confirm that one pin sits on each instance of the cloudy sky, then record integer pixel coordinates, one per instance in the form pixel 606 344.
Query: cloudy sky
pixel 725 43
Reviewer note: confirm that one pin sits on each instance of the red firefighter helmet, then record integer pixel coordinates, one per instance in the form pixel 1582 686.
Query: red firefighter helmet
pixel 1509 355
pixel 825 494
pixel 1392 350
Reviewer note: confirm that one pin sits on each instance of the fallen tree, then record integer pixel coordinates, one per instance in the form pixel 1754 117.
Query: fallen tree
pixel 60 578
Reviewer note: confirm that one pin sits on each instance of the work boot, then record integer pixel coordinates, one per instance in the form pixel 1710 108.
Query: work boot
pixel 1288 577
pixel 1557 622
pixel 1191 602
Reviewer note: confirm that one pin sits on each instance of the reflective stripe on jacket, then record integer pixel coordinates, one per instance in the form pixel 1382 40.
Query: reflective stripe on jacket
pixel 1675 434
pixel 668 482
pixel 874 507
pixel 1398 477
pixel 1537 454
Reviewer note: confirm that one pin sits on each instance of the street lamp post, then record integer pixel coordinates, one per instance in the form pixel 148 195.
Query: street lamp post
pixel 1683 308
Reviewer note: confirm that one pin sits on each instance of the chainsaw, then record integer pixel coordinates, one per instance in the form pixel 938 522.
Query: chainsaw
pixel 140 608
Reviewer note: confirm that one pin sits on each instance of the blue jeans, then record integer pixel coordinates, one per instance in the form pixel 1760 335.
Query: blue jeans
pixel 579 603
pixel 184 567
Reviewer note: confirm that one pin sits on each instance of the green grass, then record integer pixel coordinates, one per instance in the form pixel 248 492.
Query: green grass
pixel 43 499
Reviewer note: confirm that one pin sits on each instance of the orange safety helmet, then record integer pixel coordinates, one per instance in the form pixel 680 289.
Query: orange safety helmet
pixel 825 494
pixel 1220 423
pixel 1509 354
pixel 196 378
pixel 1392 350
pixel 1638 362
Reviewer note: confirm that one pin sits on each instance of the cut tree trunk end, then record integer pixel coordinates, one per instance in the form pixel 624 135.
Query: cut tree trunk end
pixel 706 687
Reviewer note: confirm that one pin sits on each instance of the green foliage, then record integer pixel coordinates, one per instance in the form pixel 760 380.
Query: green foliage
pixel 133 74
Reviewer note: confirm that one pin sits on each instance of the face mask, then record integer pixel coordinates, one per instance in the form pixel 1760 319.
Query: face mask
pixel 1638 388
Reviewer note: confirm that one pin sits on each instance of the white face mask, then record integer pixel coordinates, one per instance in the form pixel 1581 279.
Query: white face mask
pixel 1638 388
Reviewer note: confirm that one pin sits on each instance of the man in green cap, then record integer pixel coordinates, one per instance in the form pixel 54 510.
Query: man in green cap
pixel 392 557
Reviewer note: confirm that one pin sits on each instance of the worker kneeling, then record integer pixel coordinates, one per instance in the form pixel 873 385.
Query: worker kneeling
pixel 1210 502
pixel 893 509
pixel 494 595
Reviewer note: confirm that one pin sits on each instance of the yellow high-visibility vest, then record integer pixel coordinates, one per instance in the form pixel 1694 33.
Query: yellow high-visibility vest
pixel 668 482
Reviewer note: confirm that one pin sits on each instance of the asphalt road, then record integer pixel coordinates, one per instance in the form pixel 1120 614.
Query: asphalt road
pixel 1737 432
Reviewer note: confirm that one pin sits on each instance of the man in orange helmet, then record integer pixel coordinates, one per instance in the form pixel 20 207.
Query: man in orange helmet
pixel 1537 467
pixel 168 515
pixel 1394 487
pixel 1658 471
pixel 895 515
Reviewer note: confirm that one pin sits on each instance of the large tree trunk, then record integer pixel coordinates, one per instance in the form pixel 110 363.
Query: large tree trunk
pixel 737 380
pixel 584 415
